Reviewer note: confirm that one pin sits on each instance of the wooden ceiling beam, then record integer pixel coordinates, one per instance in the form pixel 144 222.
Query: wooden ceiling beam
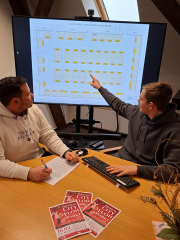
pixel 20 7
pixel 58 116
pixel 171 11
pixel 43 8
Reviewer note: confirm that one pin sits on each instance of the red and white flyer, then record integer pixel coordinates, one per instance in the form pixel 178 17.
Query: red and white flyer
pixel 98 215
pixel 68 220
pixel 83 198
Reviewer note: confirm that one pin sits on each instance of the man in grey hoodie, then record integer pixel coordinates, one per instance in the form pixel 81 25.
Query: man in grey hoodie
pixel 153 130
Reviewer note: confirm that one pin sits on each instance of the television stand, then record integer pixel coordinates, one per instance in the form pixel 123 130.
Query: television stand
pixel 79 121
pixel 89 137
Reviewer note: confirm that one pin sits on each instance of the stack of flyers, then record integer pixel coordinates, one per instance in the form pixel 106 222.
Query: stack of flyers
pixel 68 220
pixel 83 198
pixel 79 215
pixel 99 214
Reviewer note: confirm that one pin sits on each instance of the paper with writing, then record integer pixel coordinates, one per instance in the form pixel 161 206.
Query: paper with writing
pixel 60 168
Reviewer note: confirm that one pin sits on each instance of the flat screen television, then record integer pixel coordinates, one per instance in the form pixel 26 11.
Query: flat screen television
pixel 57 56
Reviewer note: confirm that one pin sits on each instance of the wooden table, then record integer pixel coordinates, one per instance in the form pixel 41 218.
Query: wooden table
pixel 24 205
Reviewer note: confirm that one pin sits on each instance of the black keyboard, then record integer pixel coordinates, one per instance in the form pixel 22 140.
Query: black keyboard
pixel 125 181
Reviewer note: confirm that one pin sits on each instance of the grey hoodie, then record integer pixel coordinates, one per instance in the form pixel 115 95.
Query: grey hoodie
pixel 145 134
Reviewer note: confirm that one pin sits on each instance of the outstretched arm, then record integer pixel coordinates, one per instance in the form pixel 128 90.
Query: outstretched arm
pixel 120 107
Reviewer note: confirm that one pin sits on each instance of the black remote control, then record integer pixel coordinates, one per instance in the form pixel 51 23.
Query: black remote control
pixel 96 144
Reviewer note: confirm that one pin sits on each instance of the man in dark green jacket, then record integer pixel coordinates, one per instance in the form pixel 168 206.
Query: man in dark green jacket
pixel 151 123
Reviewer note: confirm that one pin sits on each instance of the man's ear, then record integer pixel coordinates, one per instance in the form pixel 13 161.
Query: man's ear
pixel 16 102
pixel 151 105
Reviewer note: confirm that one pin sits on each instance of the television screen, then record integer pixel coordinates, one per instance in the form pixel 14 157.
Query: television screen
pixel 57 56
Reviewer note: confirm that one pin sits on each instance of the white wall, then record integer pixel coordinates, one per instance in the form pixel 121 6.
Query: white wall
pixel 7 67
pixel 123 10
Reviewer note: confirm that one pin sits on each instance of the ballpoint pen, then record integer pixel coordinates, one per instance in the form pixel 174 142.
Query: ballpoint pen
pixel 44 163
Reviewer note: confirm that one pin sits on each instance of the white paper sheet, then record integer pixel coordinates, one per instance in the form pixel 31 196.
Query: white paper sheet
pixel 60 168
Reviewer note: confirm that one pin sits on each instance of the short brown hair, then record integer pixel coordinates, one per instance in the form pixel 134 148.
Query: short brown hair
pixel 160 93
pixel 10 88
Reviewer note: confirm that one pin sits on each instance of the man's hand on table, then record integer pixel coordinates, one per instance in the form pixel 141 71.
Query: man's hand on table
pixel 39 174
pixel 122 170
pixel 71 156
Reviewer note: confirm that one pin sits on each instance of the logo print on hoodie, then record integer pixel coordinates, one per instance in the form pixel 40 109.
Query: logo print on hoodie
pixel 25 134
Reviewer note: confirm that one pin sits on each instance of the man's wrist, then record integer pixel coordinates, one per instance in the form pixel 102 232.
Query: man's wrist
pixel 69 150
pixel 28 175
pixel 99 87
